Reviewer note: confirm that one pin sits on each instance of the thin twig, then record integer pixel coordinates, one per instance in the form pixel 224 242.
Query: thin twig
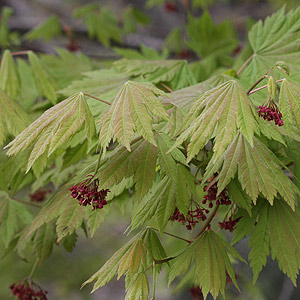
pixel 244 64
pixel 94 97
pixel 262 87
pixel 24 52
pixel 167 88
pixel 175 236
pixel 207 223
pixel 26 202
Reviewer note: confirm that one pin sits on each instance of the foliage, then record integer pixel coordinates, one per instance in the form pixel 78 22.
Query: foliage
pixel 165 142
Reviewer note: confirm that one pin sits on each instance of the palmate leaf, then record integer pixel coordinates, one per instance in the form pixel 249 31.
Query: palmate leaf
pixel 289 103
pixel 277 230
pixel 51 131
pixel 65 67
pixel 13 118
pixel 276 39
pixel 221 111
pixel 131 260
pixel 259 170
pixel 9 76
pixel 44 81
pixel 209 253
pixel 174 72
pixel 104 84
pixel 13 216
pixel 132 111
pixel 43 242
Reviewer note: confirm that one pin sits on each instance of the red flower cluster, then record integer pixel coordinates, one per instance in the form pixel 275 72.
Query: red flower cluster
pixel 39 195
pixel 270 112
pixel 171 7
pixel 26 290
pixel 192 218
pixel 87 193
pixel 230 224
pixel 222 199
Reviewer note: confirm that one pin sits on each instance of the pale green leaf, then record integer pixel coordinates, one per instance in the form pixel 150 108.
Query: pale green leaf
pixel 95 217
pixel 138 289
pixel 43 242
pixel 53 129
pixel 132 111
pixel 9 76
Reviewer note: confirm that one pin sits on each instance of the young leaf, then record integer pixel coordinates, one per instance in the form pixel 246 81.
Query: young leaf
pixel 259 171
pixel 220 112
pixel 9 76
pixel 274 40
pixel 13 118
pixel 43 242
pixel 138 289
pixel 95 217
pixel 51 131
pixel 132 111
pixel 175 72
pixel 44 80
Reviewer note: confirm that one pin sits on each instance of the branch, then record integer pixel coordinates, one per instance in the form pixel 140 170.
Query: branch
pixel 262 87
pixel 207 223
pixel 94 97
pixel 175 236
pixel 245 64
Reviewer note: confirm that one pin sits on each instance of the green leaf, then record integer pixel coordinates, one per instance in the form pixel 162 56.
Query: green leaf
pixel 9 76
pixel 44 80
pixel 48 29
pixel 274 40
pixel 103 84
pixel 132 111
pixel 95 217
pixel 66 67
pixel 53 129
pixel 176 73
pixel 221 111
pixel 260 242
pixel 13 118
pixel 205 38
pixel 259 171
pixel 284 238
pixel 138 289
pixel 69 241
pixel 69 219
pixel 43 242
pixel 211 263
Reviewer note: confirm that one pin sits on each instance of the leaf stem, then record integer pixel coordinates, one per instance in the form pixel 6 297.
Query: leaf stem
pixel 207 223
pixel 33 269
pixel 24 52
pixel 167 88
pixel 259 80
pixel 94 97
pixel 98 161
pixel 25 202
pixel 154 281
pixel 262 87
pixel 175 236
pixel 245 64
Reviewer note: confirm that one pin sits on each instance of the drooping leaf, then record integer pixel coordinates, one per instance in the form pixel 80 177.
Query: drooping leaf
pixel 13 118
pixel 43 242
pixel 54 128
pixel 274 40
pixel 9 76
pixel 44 80
pixel 132 111
pixel 219 112
pixel 95 218
pixel 259 171
pixel 69 241
pixel 209 253
pixel 139 288
pixel 175 73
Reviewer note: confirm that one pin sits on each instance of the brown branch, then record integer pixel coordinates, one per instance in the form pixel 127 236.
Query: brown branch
pixel 207 223
pixel 24 52
pixel 94 97
pixel 244 64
